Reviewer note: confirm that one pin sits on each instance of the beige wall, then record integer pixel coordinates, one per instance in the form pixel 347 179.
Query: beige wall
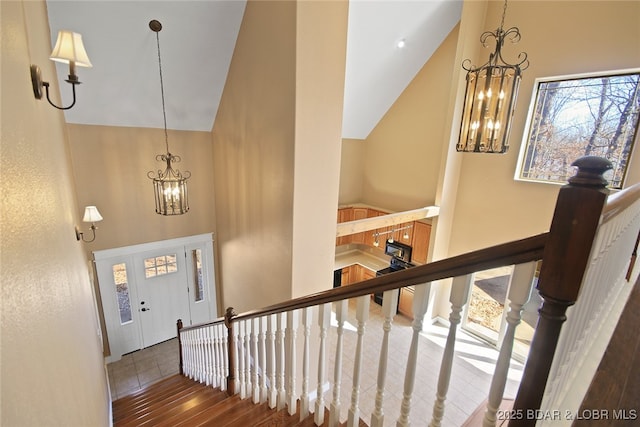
pixel 52 366
pixel 321 34
pixel 110 165
pixel 577 37
pixel 401 160
pixel 351 171
pixel 253 159
pixel 279 124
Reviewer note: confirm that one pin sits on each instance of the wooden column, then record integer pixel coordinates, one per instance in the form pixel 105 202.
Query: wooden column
pixel 231 351
pixel 179 328
pixel 565 258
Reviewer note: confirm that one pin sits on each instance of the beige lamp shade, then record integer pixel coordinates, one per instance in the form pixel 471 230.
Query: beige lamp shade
pixel 91 214
pixel 69 48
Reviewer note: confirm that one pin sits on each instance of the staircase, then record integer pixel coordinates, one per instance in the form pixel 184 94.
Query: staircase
pixel 180 401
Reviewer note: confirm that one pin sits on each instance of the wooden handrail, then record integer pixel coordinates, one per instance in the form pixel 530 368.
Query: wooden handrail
pixel 619 201
pixel 525 250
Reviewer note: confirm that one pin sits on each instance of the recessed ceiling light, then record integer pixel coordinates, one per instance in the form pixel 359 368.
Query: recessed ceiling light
pixel 401 43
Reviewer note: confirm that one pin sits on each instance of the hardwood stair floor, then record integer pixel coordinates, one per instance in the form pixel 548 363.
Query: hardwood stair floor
pixel 180 401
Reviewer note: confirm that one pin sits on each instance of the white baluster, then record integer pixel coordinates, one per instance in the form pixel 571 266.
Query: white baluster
pixel 324 319
pixel 213 342
pixel 224 356
pixel 519 292
pixel 217 357
pixel 263 358
pixel 389 308
pixel 341 316
pixel 241 358
pixel 208 345
pixel 420 304
pixel 188 352
pixel 247 357
pixel 458 298
pixel 280 357
pixel 291 332
pixel 185 352
pixel 306 331
pixel 362 314
pixel 255 330
pixel 271 359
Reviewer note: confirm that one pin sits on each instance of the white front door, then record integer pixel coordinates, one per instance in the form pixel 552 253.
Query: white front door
pixel 145 289
pixel 118 296
pixel 161 279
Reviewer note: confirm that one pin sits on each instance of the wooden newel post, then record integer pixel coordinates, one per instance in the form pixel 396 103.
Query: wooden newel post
pixel 231 353
pixel 179 328
pixel 566 255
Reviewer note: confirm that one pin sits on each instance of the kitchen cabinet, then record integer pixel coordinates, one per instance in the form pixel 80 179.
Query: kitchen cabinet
pixel 346 276
pixel 420 242
pixel 405 305
pixel 414 233
pixel 355 273
pixel 344 215
pixel 359 213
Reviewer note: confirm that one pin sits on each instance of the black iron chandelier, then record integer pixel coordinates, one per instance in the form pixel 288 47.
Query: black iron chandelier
pixel 490 96
pixel 170 185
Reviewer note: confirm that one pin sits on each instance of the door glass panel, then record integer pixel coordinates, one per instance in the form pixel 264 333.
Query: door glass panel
pixel 196 256
pixel 160 265
pixel 486 303
pixel 122 292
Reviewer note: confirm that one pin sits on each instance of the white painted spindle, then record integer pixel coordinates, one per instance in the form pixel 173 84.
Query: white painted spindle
pixel 420 304
pixel 389 308
pixel 341 316
pixel 362 314
pixel 280 357
pixel 224 351
pixel 519 292
pixel 272 320
pixel 458 298
pixel 324 319
pixel 263 358
pixel 291 361
pixel 306 331
pixel 255 330
pixel 241 358
pixel 247 357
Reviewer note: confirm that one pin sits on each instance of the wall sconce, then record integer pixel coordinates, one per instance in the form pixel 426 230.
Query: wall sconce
pixel 91 215
pixel 490 96
pixel 69 50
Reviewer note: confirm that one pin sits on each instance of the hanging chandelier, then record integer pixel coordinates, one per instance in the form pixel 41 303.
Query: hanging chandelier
pixel 490 96
pixel 170 185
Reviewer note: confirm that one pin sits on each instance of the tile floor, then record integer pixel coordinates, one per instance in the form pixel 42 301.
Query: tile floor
pixel 140 368
pixel 470 381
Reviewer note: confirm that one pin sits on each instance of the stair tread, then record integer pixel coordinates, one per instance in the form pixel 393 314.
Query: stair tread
pixel 180 401
pixel 163 401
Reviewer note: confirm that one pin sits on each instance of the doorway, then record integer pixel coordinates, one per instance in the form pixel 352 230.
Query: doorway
pixel 485 315
pixel 145 288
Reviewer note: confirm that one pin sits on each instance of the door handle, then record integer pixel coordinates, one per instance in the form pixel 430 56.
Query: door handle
pixel 145 309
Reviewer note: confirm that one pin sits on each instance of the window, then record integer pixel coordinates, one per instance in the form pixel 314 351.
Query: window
pixel 575 116
pixel 122 292
pixel 196 256
pixel 157 266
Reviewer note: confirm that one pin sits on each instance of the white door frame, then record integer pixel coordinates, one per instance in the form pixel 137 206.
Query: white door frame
pixel 127 253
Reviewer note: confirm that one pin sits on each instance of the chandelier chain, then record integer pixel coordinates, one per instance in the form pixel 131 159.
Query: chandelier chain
pixel 504 13
pixel 164 112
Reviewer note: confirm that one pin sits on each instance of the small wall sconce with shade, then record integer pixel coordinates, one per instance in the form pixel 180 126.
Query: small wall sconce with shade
pixel 490 96
pixel 69 49
pixel 91 215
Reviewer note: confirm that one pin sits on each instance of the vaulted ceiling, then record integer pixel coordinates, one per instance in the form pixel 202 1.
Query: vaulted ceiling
pixel 197 42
